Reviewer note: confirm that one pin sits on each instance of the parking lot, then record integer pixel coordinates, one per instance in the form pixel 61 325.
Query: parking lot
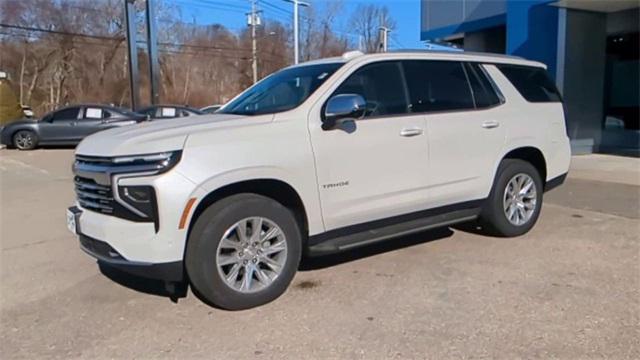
pixel 569 289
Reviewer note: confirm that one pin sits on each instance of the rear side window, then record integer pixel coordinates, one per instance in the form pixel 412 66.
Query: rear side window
pixel 437 86
pixel 381 86
pixel 484 94
pixel 533 83
pixel 66 114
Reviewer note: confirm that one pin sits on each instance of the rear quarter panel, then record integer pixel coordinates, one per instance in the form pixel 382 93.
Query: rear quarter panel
pixel 538 125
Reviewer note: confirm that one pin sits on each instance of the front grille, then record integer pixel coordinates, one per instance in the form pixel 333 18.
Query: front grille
pixel 94 196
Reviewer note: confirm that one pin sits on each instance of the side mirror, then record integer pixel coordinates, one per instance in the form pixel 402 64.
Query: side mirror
pixel 342 108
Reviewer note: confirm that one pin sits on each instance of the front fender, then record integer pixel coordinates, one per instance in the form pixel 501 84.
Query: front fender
pixel 306 194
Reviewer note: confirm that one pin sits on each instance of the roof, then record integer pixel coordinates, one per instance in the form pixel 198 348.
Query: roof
pixel 431 55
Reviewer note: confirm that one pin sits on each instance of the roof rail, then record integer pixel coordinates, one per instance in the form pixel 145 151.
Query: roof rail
pixel 460 51
pixel 352 54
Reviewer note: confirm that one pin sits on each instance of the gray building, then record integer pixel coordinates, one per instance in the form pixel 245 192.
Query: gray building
pixel 591 48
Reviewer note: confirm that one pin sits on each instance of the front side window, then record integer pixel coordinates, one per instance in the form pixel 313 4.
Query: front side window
pixel 282 91
pixel 533 83
pixel 437 86
pixel 382 87
pixel 66 114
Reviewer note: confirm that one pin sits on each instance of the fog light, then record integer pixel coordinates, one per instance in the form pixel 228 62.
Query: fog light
pixel 140 201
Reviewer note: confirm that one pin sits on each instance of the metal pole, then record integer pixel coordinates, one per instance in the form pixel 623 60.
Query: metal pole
pixel 384 38
pixel 254 50
pixel 152 44
pixel 296 38
pixel 296 35
pixel 130 20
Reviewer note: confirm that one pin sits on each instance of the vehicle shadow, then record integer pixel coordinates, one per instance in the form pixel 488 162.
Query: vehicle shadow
pixel 173 291
pixel 176 291
pixel 325 261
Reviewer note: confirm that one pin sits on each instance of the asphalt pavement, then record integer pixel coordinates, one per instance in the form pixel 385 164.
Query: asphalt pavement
pixel 569 289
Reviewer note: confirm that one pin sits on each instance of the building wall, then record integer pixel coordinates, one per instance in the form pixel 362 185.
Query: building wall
pixel 442 18
pixel 533 31
pixel 623 21
pixel 582 83
pixel 490 40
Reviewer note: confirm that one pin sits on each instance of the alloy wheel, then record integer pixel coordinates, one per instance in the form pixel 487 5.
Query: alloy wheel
pixel 24 140
pixel 251 254
pixel 520 199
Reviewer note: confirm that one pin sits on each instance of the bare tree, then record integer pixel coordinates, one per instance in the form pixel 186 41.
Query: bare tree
pixel 74 51
pixel 367 20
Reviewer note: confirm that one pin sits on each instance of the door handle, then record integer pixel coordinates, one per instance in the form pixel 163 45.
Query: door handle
pixel 73 123
pixel 490 124
pixel 410 132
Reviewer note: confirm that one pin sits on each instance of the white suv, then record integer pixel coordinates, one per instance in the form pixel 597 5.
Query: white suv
pixel 318 158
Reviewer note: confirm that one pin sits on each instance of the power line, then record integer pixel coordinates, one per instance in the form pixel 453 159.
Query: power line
pixel 204 50
pixel 66 33
pixel 58 32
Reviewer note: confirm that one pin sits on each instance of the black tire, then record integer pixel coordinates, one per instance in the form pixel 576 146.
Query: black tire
pixel 206 235
pixel 25 140
pixel 493 218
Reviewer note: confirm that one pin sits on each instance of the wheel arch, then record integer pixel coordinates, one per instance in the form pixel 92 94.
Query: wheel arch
pixel 13 130
pixel 532 155
pixel 275 189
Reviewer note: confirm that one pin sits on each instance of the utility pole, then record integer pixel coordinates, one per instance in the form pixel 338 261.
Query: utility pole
pixel 384 34
pixel 254 21
pixel 132 46
pixel 152 46
pixel 296 37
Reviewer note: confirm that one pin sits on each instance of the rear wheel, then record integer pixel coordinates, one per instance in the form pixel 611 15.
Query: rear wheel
pixel 514 204
pixel 243 251
pixel 25 140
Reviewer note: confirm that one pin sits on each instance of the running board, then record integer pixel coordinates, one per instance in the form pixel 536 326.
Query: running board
pixel 373 235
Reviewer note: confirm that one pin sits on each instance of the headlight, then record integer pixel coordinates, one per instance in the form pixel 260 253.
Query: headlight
pixel 140 200
pixel 158 163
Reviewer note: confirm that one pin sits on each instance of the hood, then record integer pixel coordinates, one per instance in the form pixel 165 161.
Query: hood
pixel 22 121
pixel 159 136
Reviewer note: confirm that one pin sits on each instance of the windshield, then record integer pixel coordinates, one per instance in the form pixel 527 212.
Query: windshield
pixel 281 91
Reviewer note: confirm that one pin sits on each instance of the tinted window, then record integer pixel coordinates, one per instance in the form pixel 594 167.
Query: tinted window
pixel 533 83
pixel 281 91
pixel 484 94
pixel 381 86
pixel 437 86
pixel 66 114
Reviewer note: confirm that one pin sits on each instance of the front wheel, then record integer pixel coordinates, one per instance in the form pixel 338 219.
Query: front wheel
pixel 243 251
pixel 514 204
pixel 25 140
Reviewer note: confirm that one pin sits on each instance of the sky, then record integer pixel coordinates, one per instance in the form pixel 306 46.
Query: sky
pixel 230 13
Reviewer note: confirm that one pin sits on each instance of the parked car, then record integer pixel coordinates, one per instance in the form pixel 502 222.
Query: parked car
pixel 318 158
pixel 66 126
pixel 210 109
pixel 156 112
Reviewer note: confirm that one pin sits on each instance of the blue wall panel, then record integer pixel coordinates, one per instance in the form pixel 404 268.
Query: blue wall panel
pixel 532 31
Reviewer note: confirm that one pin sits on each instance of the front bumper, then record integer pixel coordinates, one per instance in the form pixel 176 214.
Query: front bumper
pixel 108 255
pixel 105 254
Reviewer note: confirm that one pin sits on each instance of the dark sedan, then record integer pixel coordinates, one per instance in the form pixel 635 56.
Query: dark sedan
pixel 66 126
pixel 157 112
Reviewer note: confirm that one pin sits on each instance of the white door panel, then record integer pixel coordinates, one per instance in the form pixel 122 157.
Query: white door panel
pixel 463 148
pixel 377 171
